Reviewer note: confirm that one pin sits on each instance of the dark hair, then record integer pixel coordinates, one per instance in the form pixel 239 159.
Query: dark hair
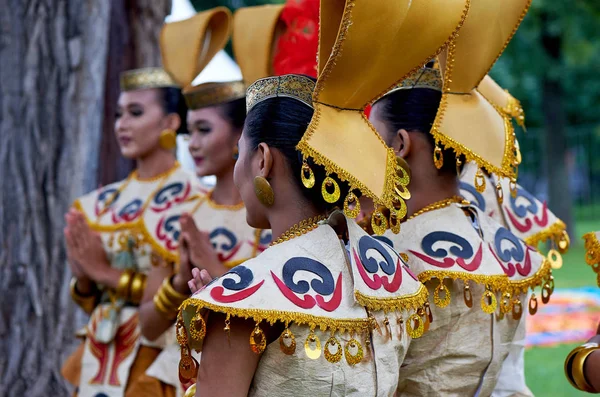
pixel 280 123
pixel 172 101
pixel 234 112
pixel 414 110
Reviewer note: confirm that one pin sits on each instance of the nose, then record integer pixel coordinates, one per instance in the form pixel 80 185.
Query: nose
pixel 121 124
pixel 195 142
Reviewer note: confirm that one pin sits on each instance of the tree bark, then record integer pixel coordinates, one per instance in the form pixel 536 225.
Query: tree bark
pixel 53 79
pixel 560 199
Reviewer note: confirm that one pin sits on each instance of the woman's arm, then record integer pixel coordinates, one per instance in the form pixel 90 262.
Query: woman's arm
pixel 592 370
pixel 223 356
pixel 152 322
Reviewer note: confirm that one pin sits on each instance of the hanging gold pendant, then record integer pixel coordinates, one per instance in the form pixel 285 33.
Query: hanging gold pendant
pixel 328 184
pixel 258 342
pixel 480 182
pixel 400 208
pixel 349 201
pixel 287 342
pixel 468 295
pixel 335 355
pixel 546 292
pixel 403 192
pixel 312 352
pixel 378 223
pixel 197 327
pixel 394 223
pixel 438 157
pixel 426 322
pixel 533 304
pixel 563 242
pixel 227 329
pixel 353 352
pixel 513 188
pixel 414 326
pixel 518 156
pixel 441 302
pixel 404 173
pixel 188 366
pixel 400 322
pixel 488 302
pixel 499 193
pixel 555 259
pixel 428 312
pixel 307 175
pixel 386 323
pixel 458 165
pixel 517 309
pixel 505 303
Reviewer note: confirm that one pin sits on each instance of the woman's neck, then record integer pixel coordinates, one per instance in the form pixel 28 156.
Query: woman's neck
pixel 225 192
pixel 281 220
pixel 430 188
pixel 155 163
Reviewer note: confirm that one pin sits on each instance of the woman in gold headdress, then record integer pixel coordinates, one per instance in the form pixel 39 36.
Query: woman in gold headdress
pixel 110 244
pixel 308 303
pixel 457 250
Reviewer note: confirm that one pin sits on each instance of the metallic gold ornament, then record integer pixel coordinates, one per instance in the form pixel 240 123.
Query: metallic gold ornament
pixel 403 192
pixel 563 242
pixel 555 259
pixel 258 342
pixel 533 304
pixel 168 139
pixel 428 312
pixel 394 222
pixel 499 193
pixel 349 201
pixel 400 322
pixel 353 352
pixel 468 295
pixel 480 182
pixel 458 165
pixel 379 223
pixel 415 326
pixel 307 175
pixel 287 342
pixel 188 366
pixel 335 355
pixel 328 184
pixel 400 208
pixel 505 303
pixel 264 191
pixel 197 327
pixel 438 157
pixel 312 352
pixel 441 302
pixel 517 309
pixel 546 292
pixel 518 156
pixel 513 188
pixel 489 302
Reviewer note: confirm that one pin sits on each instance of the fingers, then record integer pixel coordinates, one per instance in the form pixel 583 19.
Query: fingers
pixel 196 282
pixel 205 277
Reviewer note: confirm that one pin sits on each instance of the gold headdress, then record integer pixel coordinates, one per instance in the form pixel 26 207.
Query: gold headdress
pixel 339 137
pixel 424 78
pixel 188 46
pixel 466 121
pixel 500 97
pixel 138 79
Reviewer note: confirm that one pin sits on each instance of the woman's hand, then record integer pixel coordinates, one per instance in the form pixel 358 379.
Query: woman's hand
pixel 202 254
pixel 85 250
pixel 200 280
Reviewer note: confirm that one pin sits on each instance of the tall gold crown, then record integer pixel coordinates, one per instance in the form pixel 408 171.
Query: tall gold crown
pixel 292 86
pixel 423 78
pixel 138 79
pixel 211 94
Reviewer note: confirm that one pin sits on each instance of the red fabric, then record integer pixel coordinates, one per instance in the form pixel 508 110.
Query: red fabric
pixel 296 50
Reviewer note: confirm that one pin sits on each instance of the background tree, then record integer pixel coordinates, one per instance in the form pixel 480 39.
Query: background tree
pixel 58 84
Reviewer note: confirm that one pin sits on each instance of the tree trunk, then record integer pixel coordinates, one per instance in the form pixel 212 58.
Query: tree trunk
pixel 555 139
pixel 53 78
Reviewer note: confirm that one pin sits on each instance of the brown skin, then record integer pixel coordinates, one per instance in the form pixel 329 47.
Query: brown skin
pixel 212 143
pixel 592 364
pixel 140 121
pixel 427 185
pixel 221 358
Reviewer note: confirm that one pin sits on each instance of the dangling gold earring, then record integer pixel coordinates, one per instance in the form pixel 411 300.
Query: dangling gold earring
pixel 264 191
pixel 168 139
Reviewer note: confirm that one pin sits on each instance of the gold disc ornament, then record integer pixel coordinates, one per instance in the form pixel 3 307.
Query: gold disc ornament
pixel 353 352
pixel 415 326
pixel 379 223
pixel 488 302
pixel 197 327
pixel 480 182
pixel 307 175
pixel 351 206
pixel 287 342
pixel 441 288
pixel 312 346
pixel 333 350
pixel 555 259
pixel 258 342
pixel 533 304
pixel 330 190
pixel 468 295
pixel 517 309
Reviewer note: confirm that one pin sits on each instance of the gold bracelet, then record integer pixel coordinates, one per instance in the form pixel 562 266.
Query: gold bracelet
pixel 138 285
pixel 86 302
pixel 123 289
pixel 167 300
pixel 167 310
pixel 577 369
pixel 171 292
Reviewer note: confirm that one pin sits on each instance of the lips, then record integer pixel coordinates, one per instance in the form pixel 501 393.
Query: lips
pixel 198 160
pixel 124 140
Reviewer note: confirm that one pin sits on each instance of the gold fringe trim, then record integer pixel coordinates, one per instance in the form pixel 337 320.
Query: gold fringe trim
pixel 495 282
pixel 592 255
pixel 553 231
pixel 407 302
pixel 358 325
pixel 543 274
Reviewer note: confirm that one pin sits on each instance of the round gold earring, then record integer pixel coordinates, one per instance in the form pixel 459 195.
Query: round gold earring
pixel 168 139
pixel 264 191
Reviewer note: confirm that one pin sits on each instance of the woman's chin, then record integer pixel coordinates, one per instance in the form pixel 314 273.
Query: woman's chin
pixel 129 153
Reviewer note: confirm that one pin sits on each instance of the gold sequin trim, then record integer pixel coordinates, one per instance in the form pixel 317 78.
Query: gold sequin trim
pixel 592 255
pixel 553 232
pixel 212 94
pixel 138 79
pixel 404 302
pixel 289 86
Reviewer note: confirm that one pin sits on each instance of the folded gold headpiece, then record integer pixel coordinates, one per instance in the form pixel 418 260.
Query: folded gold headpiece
pixel 292 86
pixel 423 78
pixel 138 79
pixel 211 94
pixel 500 97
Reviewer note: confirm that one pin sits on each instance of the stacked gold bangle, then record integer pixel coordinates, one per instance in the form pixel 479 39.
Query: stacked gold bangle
pixel 574 366
pixel 86 302
pixel 167 299
pixel 131 286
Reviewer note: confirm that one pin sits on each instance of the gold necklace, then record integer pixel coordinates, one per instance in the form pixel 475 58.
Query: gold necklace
pixel 217 206
pixel 300 229
pixel 439 205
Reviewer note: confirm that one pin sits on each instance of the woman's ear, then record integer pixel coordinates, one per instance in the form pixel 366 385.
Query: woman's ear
pixel 265 159
pixel 173 121
pixel 402 143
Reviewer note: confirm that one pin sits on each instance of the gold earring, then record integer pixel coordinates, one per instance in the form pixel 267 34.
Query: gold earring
pixel 330 197
pixel 307 175
pixel 168 139
pixel 236 152
pixel 438 157
pixel 264 191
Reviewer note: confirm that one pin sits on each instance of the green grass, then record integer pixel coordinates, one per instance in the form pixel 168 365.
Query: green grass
pixel 544 365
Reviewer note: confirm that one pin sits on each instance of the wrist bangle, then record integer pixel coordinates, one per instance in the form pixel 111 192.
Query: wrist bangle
pixel 86 302
pixel 574 366
pixel 123 289
pixel 167 299
pixel 138 286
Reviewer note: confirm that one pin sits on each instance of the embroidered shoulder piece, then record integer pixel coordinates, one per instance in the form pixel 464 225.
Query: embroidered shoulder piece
pixel 307 282
pixel 592 252
pixel 522 213
pixel 461 242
